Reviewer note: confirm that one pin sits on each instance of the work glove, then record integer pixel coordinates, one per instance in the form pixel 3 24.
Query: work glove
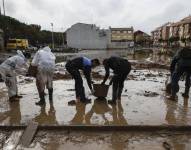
pixel 102 83
pixel 110 83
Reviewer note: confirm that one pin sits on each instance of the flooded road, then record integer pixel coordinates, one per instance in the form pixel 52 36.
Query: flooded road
pixel 143 103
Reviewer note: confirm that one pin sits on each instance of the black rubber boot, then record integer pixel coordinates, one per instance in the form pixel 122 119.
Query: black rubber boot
pixel 50 92
pixel 42 99
pixel 112 102
pixel 186 93
pixel 119 93
pixel 13 99
pixel 86 101
pixel 172 98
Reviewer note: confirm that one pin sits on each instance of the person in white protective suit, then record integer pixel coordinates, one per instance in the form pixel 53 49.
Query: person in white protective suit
pixel 44 59
pixel 10 68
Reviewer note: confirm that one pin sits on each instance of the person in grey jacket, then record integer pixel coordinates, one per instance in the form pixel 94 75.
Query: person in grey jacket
pixel 181 63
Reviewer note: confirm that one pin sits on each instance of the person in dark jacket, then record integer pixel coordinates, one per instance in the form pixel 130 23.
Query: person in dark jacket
pixel 181 64
pixel 121 68
pixel 84 64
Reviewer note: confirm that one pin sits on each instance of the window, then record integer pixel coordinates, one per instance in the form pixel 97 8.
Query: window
pixel 12 41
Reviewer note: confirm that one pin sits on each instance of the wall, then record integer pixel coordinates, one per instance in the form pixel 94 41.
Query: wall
pixel 86 36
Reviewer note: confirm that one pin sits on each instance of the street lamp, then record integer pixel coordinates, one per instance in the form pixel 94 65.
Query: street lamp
pixel 52 36
pixel 62 32
pixel 4 7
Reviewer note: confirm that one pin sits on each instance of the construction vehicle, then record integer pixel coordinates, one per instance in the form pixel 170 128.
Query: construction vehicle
pixel 14 44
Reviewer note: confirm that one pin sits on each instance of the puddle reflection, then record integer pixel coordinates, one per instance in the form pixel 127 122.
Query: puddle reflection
pixel 14 113
pixel 101 108
pixel 47 117
pixel 176 113
pixel 80 113
pixel 118 116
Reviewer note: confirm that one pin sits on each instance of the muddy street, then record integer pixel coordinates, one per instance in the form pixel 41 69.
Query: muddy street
pixel 143 103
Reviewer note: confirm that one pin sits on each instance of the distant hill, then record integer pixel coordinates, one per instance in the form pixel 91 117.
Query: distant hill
pixel 13 28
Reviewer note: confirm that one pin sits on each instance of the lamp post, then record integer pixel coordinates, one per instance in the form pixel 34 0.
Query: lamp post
pixel 62 32
pixel 4 7
pixel 52 37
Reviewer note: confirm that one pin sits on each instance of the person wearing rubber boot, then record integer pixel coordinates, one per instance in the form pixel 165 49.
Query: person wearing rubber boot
pixel 121 68
pixel 44 59
pixel 73 67
pixel 10 68
pixel 181 64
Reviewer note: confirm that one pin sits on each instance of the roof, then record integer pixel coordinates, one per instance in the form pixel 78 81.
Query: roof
pixel 164 25
pixel 139 31
pixel 185 20
pixel 122 29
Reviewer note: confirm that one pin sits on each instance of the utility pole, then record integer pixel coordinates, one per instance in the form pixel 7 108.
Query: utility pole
pixel 52 37
pixel 4 7
pixel 62 32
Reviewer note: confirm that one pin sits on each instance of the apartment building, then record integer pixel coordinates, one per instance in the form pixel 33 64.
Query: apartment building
pixel 156 35
pixel 173 34
pixel 141 38
pixel 121 38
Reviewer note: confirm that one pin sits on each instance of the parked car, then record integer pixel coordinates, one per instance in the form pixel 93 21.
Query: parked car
pixel 33 48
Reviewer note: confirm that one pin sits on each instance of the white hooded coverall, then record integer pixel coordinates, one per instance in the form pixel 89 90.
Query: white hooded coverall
pixel 8 70
pixel 44 59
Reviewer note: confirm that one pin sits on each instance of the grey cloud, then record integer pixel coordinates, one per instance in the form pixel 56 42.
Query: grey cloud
pixel 142 14
pixel 11 7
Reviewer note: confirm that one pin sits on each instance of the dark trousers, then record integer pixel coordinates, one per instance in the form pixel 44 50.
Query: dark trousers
pixel 79 88
pixel 176 77
pixel 118 84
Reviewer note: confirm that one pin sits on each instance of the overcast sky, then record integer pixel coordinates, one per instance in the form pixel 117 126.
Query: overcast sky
pixel 141 14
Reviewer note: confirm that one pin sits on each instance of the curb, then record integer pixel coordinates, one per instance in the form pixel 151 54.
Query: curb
pixel 102 128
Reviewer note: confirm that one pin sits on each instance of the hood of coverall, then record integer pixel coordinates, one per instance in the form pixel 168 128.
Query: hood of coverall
pixel 47 49
pixel 20 53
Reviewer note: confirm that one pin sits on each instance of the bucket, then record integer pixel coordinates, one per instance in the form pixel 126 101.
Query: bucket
pixel 101 90
pixel 32 71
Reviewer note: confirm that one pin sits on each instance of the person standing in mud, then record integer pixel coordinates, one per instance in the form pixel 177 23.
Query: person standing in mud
pixel 84 64
pixel 44 59
pixel 121 68
pixel 181 63
pixel 10 68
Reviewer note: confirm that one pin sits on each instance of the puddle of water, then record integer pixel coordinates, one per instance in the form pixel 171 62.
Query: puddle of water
pixel 134 109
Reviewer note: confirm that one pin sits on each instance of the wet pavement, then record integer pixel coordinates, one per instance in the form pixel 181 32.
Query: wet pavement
pixel 143 103
pixel 59 140
pixel 112 141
